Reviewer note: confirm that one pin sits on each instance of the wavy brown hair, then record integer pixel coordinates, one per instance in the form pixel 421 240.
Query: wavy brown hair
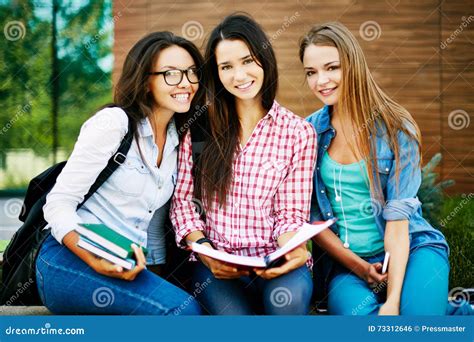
pixel 214 173
pixel 131 92
pixel 362 101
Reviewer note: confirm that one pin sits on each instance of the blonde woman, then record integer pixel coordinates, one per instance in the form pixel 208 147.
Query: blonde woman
pixel 368 175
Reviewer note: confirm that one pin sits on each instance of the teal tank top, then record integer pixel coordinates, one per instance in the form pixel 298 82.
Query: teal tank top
pixel 348 191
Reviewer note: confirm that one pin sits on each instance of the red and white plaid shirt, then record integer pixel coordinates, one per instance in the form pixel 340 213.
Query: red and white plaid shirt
pixel 270 192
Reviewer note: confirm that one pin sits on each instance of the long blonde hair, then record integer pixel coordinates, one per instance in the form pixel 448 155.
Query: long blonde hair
pixel 362 101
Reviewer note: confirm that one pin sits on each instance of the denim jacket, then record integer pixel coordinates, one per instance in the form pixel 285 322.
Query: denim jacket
pixel 401 203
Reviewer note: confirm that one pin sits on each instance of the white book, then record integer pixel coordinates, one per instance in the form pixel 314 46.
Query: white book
pixel 306 232
pixel 127 264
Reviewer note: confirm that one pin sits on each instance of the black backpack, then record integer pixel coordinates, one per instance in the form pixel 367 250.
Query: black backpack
pixel 19 259
pixel 178 269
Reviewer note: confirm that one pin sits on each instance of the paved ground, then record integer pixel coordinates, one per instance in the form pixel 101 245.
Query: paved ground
pixel 23 311
pixel 10 208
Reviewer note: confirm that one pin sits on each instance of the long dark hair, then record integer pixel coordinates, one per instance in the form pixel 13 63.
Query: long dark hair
pixel 131 92
pixel 214 173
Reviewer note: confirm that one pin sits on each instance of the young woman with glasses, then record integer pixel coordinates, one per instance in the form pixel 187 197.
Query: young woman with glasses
pixel 157 91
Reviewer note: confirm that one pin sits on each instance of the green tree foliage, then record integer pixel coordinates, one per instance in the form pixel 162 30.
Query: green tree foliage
pixel 84 43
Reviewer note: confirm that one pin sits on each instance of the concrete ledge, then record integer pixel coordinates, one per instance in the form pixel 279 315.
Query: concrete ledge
pixel 11 310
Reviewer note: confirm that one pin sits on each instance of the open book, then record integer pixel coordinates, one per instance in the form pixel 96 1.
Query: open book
pixel 306 232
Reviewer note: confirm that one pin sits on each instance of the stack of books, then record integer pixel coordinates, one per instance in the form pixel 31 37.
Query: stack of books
pixel 107 244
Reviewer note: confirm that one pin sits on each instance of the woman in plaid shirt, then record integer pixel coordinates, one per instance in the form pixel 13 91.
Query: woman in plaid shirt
pixel 254 180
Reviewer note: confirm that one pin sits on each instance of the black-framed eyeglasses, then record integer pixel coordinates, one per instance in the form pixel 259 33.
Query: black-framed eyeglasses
pixel 175 76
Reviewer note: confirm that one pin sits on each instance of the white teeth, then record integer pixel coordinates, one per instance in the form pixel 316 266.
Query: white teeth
pixel 325 91
pixel 181 97
pixel 245 85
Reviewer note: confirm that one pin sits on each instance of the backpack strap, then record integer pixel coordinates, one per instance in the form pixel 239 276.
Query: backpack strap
pixel 199 134
pixel 114 162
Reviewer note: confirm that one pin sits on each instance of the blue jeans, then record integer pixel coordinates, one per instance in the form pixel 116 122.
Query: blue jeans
pixel 424 292
pixel 67 285
pixel 289 294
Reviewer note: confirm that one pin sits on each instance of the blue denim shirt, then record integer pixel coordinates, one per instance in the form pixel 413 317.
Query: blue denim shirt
pixel 401 202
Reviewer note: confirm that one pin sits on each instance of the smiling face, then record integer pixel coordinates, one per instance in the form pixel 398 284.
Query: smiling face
pixel 323 72
pixel 238 70
pixel 174 98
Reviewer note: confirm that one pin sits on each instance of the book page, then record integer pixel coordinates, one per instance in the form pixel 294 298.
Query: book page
pixel 306 232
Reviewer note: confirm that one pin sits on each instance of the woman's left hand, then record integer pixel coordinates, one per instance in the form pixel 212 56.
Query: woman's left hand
pixel 389 308
pixel 294 259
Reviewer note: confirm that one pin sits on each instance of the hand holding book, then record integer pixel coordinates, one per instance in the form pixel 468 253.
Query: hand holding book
pixel 109 269
pixel 306 232
pixel 292 260
pixel 101 265
pixel 112 246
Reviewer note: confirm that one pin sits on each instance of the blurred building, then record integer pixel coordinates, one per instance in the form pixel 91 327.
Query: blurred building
pixel 420 52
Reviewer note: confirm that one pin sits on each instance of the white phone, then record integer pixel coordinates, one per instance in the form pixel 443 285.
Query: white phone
pixel 385 262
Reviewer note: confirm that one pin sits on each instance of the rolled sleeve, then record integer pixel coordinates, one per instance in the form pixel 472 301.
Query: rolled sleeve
pixel 183 213
pixel 401 200
pixel 293 198
pixel 397 210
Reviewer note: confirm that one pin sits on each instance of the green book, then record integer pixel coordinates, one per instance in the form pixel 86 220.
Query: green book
pixel 109 239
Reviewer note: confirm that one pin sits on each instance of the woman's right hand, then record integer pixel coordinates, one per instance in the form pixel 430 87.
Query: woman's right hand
pixel 108 269
pixel 103 266
pixel 373 275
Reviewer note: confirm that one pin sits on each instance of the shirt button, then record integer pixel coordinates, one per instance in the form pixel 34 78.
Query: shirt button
pixel 149 211
pixel 329 214
pixel 322 191
pixel 325 146
pixel 386 169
